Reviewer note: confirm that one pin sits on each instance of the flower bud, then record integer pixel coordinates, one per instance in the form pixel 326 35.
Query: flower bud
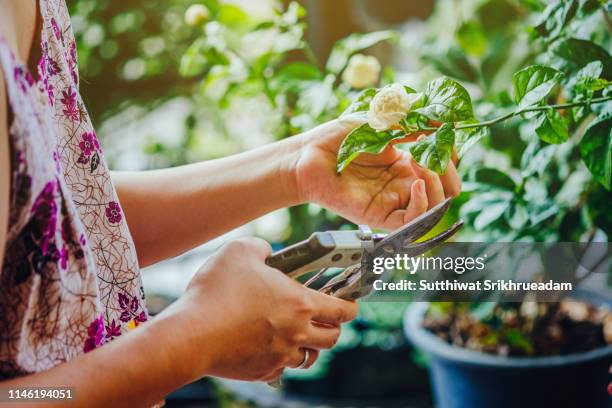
pixel 196 15
pixel 362 71
pixel 389 106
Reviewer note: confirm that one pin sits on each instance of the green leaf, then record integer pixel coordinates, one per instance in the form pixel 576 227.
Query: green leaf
pixel 233 16
pixel 194 61
pixel 588 79
pixel 447 101
pixel 452 62
pixel 519 340
pixel 434 151
pixel 300 70
pixel 534 83
pixel 494 178
pixel 487 207
pixel 596 149
pixel 465 139
pixel 294 77
pixel 536 159
pixel 362 102
pixel 590 70
pixel 482 310
pixel 293 14
pixel 571 54
pixel 555 17
pixel 364 139
pixel 199 57
pixel 472 38
pixel 551 127
pixel 517 216
pixel 343 49
pixel 490 213
pixel 316 97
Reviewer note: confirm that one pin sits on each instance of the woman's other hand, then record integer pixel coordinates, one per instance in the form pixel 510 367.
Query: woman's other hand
pixel 385 191
pixel 242 319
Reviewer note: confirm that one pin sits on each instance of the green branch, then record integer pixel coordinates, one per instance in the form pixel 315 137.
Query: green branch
pixel 526 110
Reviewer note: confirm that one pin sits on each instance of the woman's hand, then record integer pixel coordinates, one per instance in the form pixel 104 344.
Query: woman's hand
pixel 242 319
pixel 385 191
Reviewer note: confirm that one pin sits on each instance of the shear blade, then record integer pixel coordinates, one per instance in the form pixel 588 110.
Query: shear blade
pixel 359 285
pixel 412 231
pixel 418 248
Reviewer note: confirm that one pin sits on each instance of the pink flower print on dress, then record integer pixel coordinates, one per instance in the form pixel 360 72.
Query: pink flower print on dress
pixel 63 257
pixel 23 78
pixel 72 62
pixel 88 145
pixel 113 330
pixel 96 335
pixel 56 30
pixel 130 310
pixel 70 105
pixel 113 212
pixel 44 214
pixel 47 67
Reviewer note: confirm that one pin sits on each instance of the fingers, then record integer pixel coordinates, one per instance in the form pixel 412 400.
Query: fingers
pixel 451 182
pixel 417 205
pixel 321 337
pixel 275 375
pixel 433 184
pixel 331 310
pixel 297 358
pixel 257 246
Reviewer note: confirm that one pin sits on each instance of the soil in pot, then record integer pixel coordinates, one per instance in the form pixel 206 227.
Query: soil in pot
pixel 522 329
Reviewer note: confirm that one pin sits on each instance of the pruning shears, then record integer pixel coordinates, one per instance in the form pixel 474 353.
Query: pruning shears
pixel 355 251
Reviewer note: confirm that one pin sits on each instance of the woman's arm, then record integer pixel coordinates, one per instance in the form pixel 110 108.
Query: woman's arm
pixel 262 328
pixel 135 370
pixel 172 210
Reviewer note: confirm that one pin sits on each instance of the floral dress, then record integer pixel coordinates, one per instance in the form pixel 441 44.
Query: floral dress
pixel 70 280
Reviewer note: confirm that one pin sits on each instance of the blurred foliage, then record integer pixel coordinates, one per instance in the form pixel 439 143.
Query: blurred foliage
pixel 519 185
pixel 251 77
pixel 247 71
pixel 128 51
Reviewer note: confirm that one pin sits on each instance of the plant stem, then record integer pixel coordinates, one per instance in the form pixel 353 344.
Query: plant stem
pixel 525 110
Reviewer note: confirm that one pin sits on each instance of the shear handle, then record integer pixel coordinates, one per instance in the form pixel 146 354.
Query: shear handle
pixel 296 256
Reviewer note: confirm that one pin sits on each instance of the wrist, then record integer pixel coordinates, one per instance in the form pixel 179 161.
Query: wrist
pixel 288 170
pixel 181 349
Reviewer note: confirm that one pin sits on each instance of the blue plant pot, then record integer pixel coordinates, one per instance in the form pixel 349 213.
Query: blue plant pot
pixel 463 378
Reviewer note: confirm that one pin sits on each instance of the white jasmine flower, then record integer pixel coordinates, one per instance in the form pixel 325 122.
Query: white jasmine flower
pixel 362 71
pixel 389 106
pixel 257 43
pixel 196 14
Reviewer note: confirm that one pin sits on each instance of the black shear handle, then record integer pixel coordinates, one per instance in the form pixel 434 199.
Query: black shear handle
pixel 303 253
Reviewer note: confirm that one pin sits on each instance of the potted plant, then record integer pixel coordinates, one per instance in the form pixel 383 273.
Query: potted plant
pixel 543 176
pixel 472 377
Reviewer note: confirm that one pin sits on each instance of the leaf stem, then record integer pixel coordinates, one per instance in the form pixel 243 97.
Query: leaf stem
pixel 525 110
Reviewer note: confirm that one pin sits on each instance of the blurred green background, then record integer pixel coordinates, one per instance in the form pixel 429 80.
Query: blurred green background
pixel 163 93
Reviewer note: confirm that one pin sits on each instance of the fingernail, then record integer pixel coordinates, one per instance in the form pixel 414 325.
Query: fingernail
pixel 420 186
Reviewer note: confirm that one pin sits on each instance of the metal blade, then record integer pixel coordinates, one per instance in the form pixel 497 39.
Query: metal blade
pixel 359 283
pixel 406 235
pixel 418 248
